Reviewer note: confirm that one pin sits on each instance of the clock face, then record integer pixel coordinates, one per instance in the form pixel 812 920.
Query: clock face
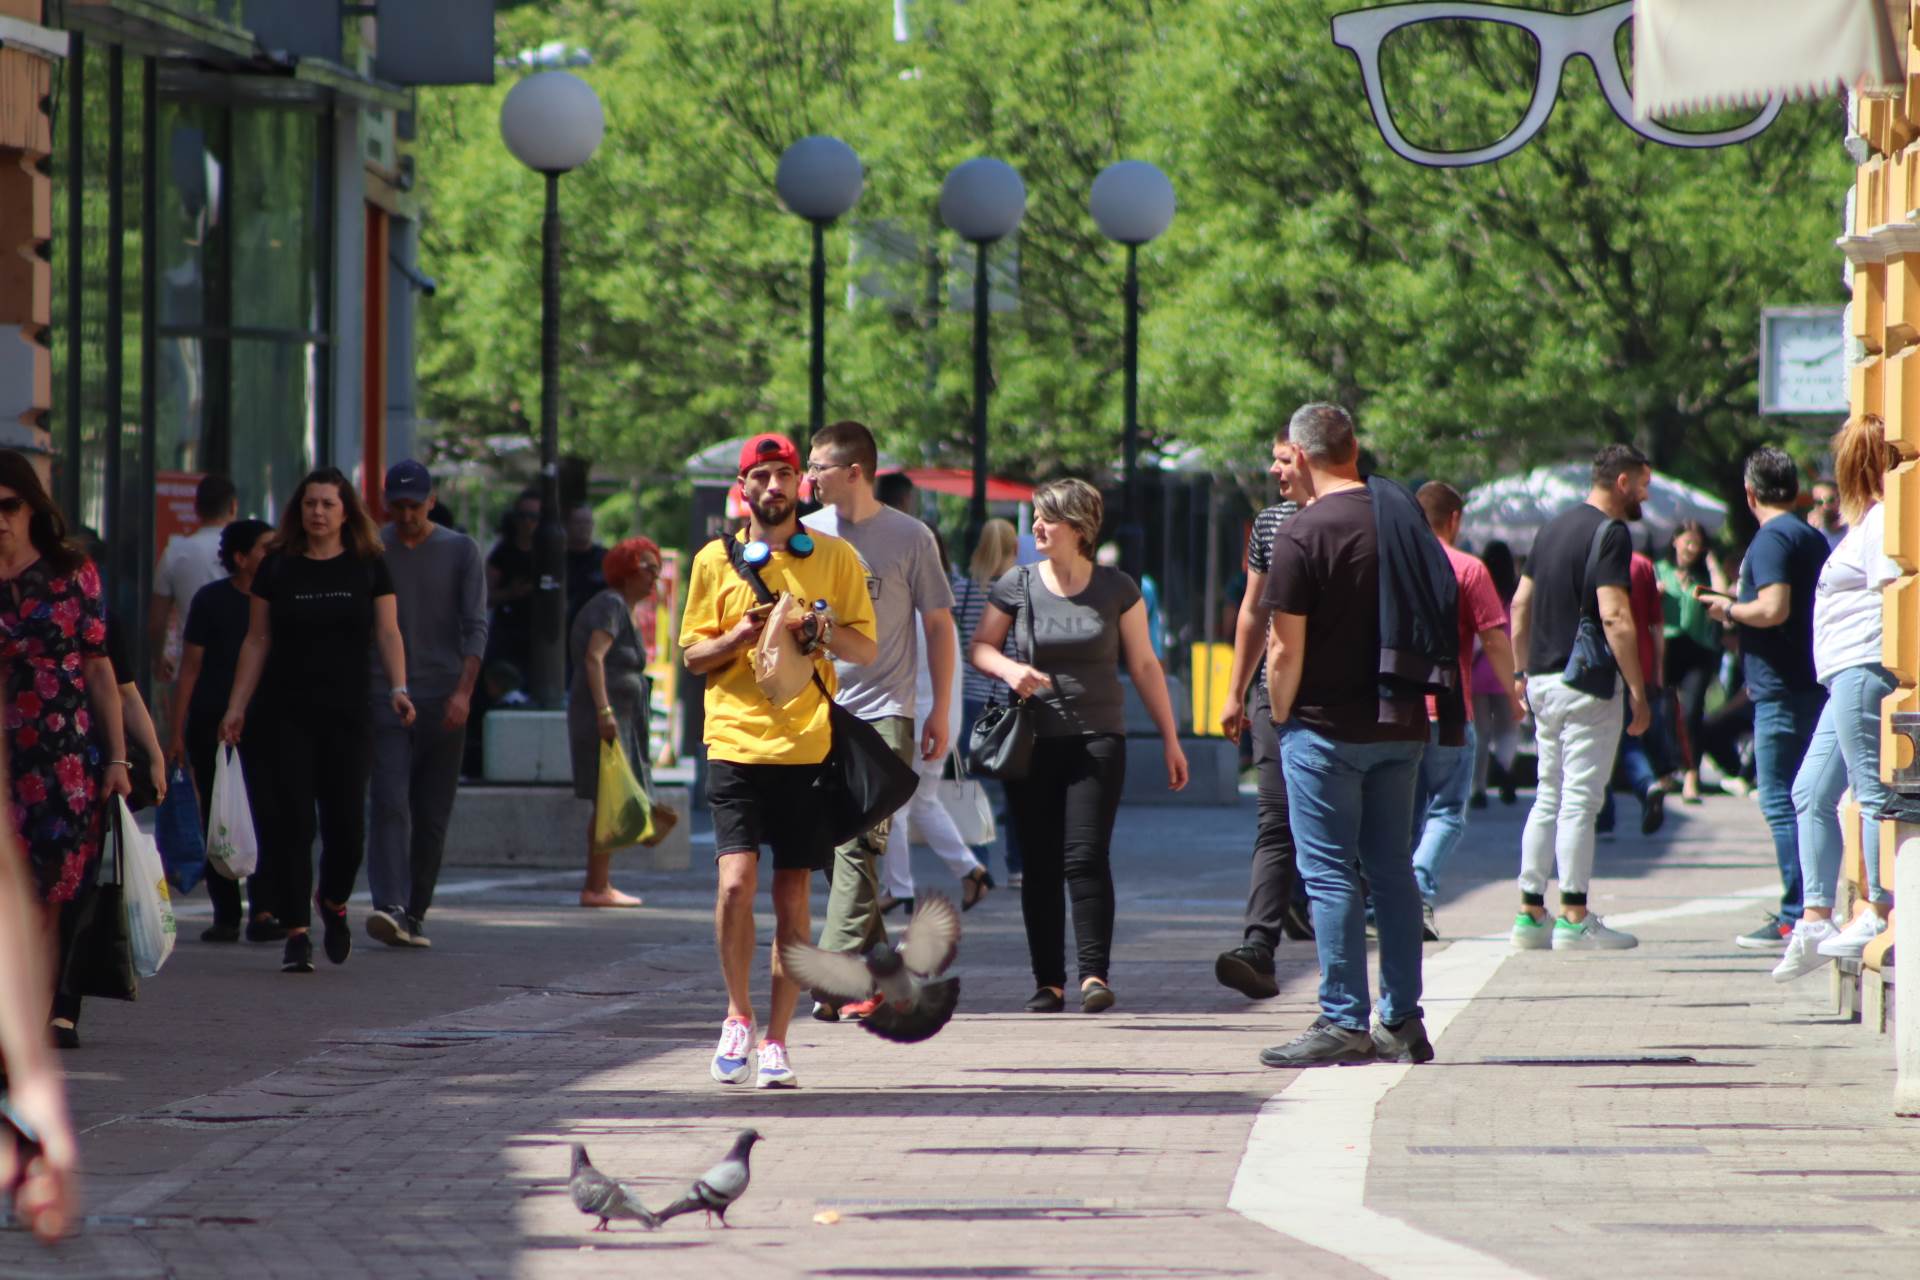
pixel 1805 359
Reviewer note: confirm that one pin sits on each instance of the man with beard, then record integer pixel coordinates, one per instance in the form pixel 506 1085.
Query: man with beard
pixel 1579 571
pixel 763 760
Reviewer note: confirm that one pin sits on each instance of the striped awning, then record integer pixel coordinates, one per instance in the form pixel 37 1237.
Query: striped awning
pixel 1691 55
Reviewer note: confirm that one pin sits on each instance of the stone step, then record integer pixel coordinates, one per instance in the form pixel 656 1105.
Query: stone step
pixel 545 826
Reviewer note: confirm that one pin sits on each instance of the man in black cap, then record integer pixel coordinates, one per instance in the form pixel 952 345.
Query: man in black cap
pixel 440 585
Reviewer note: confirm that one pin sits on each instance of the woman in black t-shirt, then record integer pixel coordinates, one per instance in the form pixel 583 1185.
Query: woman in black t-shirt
pixel 320 599
pixel 216 627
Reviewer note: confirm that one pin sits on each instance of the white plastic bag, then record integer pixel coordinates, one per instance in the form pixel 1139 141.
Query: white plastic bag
pixel 233 849
pixel 150 924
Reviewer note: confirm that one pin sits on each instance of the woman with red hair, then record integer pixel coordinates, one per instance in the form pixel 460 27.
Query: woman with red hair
pixel 608 701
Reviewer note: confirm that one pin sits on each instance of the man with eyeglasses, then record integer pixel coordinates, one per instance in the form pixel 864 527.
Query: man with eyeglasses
pixel 763 760
pixel 440 590
pixel 904 576
pixel 1825 515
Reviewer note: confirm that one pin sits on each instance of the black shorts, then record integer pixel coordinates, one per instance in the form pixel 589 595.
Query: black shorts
pixel 770 804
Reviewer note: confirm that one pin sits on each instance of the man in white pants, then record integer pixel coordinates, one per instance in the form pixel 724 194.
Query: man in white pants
pixel 926 814
pixel 1577 734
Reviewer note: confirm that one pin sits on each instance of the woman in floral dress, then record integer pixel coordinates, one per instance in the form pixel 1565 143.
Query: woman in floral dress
pixel 65 744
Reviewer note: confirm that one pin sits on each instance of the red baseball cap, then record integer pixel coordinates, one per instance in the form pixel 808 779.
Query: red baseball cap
pixel 768 446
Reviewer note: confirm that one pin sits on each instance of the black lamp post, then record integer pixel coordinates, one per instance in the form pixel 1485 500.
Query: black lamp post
pixel 1133 203
pixel 820 179
pixel 983 200
pixel 552 123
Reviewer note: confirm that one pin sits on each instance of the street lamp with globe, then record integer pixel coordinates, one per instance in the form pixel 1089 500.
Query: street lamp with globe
pixel 983 200
pixel 819 178
pixel 1132 202
pixel 552 123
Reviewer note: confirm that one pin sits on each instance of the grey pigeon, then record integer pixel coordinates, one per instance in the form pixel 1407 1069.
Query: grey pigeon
pixel 716 1189
pixel 913 1006
pixel 596 1194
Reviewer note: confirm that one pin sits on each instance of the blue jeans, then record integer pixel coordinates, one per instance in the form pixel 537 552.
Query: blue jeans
pixel 1351 807
pixel 1782 728
pixel 1446 779
pixel 1845 751
pixel 1634 767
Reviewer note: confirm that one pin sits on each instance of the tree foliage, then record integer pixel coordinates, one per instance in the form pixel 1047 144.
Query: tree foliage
pixel 1592 286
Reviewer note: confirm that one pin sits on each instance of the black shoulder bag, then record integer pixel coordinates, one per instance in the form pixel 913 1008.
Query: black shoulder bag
pixel 1000 744
pixel 97 944
pixel 862 782
pixel 1590 667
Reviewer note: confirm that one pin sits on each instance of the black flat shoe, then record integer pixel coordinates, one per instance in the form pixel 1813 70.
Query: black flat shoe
pixel 220 933
pixel 65 1037
pixel 976 885
pixel 265 929
pixel 336 937
pixel 1097 998
pixel 298 955
pixel 1046 1000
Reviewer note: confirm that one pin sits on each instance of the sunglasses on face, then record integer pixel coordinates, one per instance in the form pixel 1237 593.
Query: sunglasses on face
pixel 10 507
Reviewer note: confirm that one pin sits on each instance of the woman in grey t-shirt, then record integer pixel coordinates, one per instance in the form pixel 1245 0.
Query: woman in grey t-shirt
pixel 1085 622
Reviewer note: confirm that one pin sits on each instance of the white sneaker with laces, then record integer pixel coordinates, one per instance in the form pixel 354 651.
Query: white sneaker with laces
pixel 1849 942
pixel 731 1063
pixel 1803 956
pixel 1591 934
pixel 775 1071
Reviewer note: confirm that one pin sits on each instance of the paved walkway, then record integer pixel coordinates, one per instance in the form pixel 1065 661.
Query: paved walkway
pixel 1668 1110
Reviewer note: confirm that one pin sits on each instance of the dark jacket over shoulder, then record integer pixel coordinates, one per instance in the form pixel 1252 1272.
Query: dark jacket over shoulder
pixel 1419 610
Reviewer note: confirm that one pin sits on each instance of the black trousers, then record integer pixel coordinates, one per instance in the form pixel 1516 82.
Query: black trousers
pixel 1691 669
pixel 1276 878
pixel 1064 809
pixel 320 766
pixel 256 763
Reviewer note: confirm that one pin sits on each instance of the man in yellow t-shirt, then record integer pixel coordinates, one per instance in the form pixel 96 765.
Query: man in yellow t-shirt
pixel 762 760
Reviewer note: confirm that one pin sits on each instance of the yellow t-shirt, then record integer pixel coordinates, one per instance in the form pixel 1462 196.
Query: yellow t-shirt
pixel 742 726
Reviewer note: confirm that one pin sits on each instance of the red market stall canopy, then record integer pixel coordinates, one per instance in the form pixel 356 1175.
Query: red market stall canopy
pixel 958 481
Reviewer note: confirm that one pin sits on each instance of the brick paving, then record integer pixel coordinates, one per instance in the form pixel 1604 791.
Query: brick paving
pixel 408 1115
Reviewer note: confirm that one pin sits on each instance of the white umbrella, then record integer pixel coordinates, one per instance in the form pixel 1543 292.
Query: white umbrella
pixel 1513 508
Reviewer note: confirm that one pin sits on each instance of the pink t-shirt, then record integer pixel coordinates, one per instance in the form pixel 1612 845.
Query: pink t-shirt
pixel 1480 610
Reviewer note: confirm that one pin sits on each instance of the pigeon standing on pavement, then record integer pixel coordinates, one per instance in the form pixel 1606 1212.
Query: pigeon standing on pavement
pixel 913 1006
pixel 716 1189
pixel 596 1194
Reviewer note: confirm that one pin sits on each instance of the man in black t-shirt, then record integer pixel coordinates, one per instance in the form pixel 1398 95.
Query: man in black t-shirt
pixel 1577 734
pixel 1350 755
pixel 1274 904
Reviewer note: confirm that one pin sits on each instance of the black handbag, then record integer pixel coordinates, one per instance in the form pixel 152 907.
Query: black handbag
pixel 1000 743
pixel 96 947
pixel 862 781
pixel 1590 667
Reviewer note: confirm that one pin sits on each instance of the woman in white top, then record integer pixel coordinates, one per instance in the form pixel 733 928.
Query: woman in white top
pixel 1845 750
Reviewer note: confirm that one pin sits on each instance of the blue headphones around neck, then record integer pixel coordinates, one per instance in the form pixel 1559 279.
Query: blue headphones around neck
pixel 757 553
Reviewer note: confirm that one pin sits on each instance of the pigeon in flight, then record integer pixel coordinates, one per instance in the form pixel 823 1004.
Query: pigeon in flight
pixel 597 1195
pixel 913 1005
pixel 716 1189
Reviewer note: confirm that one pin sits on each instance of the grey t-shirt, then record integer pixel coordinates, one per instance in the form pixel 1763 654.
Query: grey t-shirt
pixel 1077 643
pixel 440 592
pixel 903 575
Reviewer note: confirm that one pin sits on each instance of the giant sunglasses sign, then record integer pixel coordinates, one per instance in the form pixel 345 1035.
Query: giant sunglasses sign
pixel 1558 38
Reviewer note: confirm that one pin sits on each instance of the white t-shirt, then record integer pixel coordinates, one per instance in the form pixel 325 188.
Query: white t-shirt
pixel 189 563
pixel 1846 604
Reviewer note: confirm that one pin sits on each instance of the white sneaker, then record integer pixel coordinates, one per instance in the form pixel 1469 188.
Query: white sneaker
pixel 1803 955
pixel 1590 934
pixel 775 1071
pixel 1849 942
pixel 731 1065
pixel 1530 934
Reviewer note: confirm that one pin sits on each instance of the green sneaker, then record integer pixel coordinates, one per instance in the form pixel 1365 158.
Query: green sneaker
pixel 1530 934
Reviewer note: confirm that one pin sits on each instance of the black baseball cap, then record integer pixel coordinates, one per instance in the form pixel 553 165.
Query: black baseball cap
pixel 408 481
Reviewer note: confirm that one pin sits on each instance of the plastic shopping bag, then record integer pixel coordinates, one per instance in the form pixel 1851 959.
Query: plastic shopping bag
pixel 233 848
pixel 176 829
pixel 150 922
pixel 622 815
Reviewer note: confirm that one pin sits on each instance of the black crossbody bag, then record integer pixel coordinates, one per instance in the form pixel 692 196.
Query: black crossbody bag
pixel 1591 666
pixel 862 782
pixel 1000 744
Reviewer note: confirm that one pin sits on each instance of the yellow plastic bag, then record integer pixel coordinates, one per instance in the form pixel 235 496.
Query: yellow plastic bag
pixel 622 814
